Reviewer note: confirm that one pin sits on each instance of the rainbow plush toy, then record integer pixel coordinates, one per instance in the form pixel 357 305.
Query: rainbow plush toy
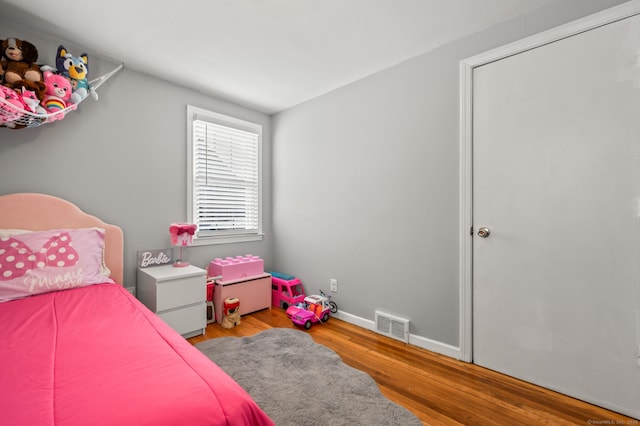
pixel 57 94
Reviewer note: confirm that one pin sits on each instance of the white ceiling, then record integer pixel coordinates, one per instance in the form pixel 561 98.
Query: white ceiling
pixel 265 54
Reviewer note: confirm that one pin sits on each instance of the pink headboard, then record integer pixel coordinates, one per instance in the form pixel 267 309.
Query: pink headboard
pixel 40 212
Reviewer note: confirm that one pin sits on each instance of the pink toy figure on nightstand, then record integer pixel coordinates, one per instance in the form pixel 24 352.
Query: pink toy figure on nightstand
pixel 182 235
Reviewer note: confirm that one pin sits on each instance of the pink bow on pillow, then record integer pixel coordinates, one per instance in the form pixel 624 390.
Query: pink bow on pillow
pixel 16 258
pixel 182 233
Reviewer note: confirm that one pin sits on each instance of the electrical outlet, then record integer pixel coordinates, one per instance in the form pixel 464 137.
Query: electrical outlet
pixel 333 285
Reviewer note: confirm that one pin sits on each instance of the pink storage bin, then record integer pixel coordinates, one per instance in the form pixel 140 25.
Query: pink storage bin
pixel 232 268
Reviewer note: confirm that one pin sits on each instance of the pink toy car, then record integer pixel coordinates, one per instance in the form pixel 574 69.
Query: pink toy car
pixel 313 309
pixel 286 290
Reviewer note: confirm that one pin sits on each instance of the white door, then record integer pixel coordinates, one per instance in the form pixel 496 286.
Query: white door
pixel 556 180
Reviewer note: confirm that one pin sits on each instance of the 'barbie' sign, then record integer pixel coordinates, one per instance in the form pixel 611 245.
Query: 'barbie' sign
pixel 155 257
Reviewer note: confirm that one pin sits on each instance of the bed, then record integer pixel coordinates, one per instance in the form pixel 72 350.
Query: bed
pixel 77 349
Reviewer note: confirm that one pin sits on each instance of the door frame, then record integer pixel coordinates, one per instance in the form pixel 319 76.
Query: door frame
pixel 467 66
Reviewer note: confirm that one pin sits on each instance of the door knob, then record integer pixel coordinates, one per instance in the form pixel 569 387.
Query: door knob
pixel 484 232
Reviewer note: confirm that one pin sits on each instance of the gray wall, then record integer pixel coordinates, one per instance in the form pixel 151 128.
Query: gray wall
pixel 365 183
pixel 365 179
pixel 122 158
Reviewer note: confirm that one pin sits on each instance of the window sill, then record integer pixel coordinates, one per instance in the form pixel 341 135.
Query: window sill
pixel 227 239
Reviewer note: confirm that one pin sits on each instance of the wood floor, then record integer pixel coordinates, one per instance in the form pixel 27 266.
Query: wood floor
pixel 438 389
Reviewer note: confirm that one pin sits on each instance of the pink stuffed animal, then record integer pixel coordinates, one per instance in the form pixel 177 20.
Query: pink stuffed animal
pixel 30 99
pixel 57 95
pixel 11 107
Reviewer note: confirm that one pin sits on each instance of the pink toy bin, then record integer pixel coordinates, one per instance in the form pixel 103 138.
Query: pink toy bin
pixel 233 268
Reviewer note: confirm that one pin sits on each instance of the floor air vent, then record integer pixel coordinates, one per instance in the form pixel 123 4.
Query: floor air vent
pixel 397 328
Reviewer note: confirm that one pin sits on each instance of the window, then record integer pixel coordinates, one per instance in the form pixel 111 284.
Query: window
pixel 225 183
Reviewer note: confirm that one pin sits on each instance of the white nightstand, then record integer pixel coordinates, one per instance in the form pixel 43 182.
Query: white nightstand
pixel 177 295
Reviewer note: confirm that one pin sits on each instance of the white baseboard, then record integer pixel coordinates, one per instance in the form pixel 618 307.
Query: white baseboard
pixel 415 340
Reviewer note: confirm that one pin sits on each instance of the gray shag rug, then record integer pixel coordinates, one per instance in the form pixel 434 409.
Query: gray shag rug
pixel 299 382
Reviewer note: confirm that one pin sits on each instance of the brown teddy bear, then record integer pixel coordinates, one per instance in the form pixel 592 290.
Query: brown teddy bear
pixel 18 61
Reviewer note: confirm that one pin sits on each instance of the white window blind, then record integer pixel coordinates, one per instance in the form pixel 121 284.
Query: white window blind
pixel 226 178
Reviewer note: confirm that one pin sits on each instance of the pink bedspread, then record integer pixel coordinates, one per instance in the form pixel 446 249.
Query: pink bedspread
pixel 96 356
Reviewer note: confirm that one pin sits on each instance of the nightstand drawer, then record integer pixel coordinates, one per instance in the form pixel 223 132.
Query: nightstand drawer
pixel 185 291
pixel 187 320
pixel 177 295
